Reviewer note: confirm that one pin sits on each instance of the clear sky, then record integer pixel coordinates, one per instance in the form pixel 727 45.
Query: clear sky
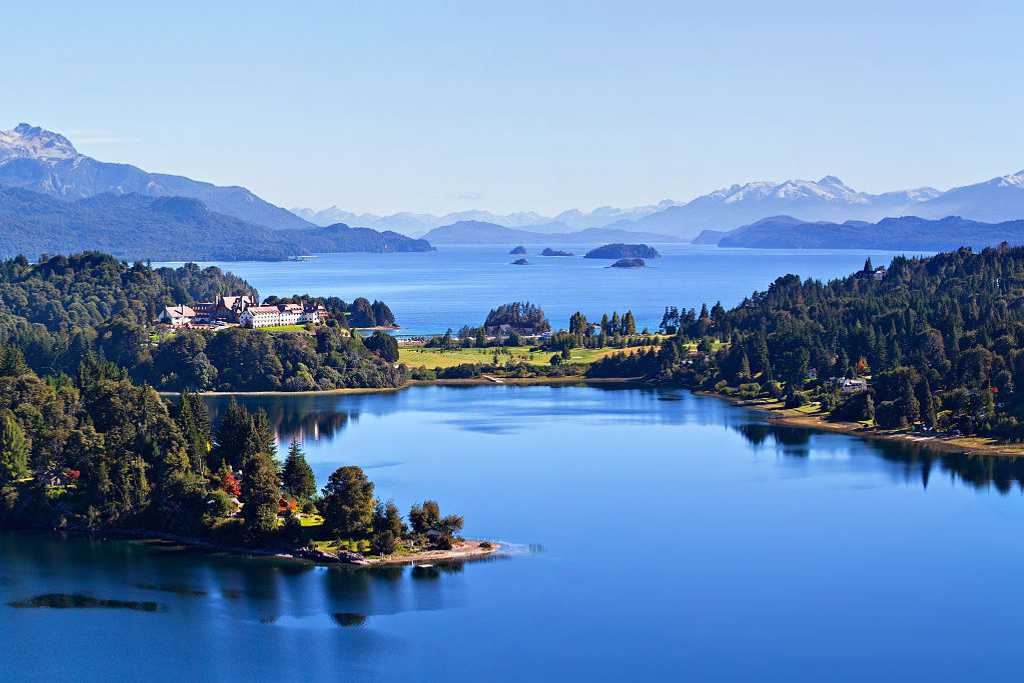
pixel 521 105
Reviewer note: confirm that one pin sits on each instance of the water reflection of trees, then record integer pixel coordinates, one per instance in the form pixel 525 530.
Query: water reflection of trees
pixel 293 418
pixel 978 471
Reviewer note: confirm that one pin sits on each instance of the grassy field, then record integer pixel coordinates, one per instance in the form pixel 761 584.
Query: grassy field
pixel 416 357
pixel 283 328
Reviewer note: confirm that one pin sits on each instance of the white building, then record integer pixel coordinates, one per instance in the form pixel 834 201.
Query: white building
pixel 177 316
pixel 282 314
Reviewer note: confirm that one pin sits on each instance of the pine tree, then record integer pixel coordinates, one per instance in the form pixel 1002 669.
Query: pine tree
pixel 869 408
pixel 628 324
pixel 266 440
pixel 296 475
pixel 927 405
pixel 232 434
pixel 191 424
pixel 260 495
pixel 14 450
pixel 744 372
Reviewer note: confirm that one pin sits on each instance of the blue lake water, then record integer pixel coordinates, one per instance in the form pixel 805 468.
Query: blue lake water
pixel 652 535
pixel 458 285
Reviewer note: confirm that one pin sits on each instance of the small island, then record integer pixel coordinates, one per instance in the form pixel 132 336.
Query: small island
pixel 623 251
pixel 520 262
pixel 548 251
pixel 520 250
pixel 629 263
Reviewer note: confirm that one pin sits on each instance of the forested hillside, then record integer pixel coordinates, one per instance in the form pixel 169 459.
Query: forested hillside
pixel 135 226
pixel 940 341
pixel 64 310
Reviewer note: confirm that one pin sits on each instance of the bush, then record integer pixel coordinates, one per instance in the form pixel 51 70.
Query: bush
pixel 220 504
pixel 796 399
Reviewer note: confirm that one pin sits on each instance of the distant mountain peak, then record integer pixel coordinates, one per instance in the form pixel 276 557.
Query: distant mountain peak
pixel 34 142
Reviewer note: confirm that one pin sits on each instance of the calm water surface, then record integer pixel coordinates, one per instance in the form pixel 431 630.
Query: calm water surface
pixel 456 286
pixel 652 534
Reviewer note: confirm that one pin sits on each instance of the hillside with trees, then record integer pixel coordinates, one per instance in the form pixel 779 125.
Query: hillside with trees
pixel 65 309
pixel 134 226
pixel 95 452
pixel 933 343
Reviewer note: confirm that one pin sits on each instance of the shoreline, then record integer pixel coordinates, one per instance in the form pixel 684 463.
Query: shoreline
pixel 793 418
pixel 463 551
pixel 775 413
pixel 469 381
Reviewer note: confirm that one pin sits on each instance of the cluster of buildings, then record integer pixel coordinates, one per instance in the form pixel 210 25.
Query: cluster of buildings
pixel 240 310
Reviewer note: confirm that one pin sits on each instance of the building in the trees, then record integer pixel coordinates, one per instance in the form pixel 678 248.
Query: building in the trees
pixel 848 386
pixel 177 316
pixel 281 314
pixel 241 310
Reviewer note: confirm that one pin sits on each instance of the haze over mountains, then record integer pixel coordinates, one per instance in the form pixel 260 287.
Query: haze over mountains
pixel 421 223
pixel 55 200
pixel 75 206
pixel 43 161
pixel 828 199
pixel 479 232
pixel 910 233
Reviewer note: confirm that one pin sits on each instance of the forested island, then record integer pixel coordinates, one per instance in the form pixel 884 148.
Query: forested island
pixel 928 346
pixel 548 251
pixel 629 263
pixel 623 251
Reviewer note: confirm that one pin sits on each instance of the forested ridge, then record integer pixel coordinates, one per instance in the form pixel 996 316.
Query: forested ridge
pixel 939 342
pixel 64 309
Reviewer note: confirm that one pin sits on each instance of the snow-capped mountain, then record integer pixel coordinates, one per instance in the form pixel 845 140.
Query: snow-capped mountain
pixel 995 200
pixel 43 161
pixel 827 199
pixel 32 142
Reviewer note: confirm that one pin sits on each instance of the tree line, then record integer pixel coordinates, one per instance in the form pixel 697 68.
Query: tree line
pixel 64 308
pixel 938 341
pixel 96 451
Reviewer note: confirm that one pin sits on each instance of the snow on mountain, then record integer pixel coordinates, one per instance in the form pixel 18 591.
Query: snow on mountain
pixel 40 160
pixel 33 142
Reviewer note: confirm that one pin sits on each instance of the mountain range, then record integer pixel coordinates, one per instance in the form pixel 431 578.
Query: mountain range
pixel 479 232
pixel 421 223
pixel 827 199
pixel 55 200
pixel 910 233
pixel 36 159
pixel 137 227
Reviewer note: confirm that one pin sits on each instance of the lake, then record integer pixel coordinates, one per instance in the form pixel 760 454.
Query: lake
pixel 458 285
pixel 651 534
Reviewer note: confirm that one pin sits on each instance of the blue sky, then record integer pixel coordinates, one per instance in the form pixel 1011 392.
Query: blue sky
pixel 519 106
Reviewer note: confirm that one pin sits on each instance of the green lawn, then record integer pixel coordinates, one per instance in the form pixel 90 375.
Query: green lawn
pixel 416 357
pixel 283 328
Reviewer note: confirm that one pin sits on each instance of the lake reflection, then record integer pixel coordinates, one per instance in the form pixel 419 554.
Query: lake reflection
pixel 683 539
